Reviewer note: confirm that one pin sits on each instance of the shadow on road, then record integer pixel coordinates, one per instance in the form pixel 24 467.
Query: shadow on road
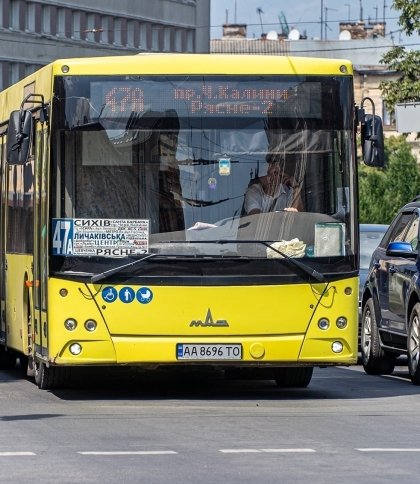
pixel 121 383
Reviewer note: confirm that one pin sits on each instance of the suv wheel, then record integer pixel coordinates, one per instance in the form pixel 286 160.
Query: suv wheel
pixel 375 360
pixel 413 347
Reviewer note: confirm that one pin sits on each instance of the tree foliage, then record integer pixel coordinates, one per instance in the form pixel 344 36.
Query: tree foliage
pixel 410 15
pixel 405 62
pixel 383 192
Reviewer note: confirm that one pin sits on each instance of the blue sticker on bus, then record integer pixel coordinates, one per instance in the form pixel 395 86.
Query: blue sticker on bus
pixel 109 294
pixel 127 295
pixel 144 295
pixel 63 230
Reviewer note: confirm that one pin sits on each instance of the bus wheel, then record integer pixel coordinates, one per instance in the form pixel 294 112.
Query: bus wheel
pixel 7 358
pixel 50 377
pixel 374 359
pixel 27 364
pixel 298 377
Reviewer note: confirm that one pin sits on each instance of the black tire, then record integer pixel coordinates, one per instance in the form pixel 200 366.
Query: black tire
pixel 413 345
pixel 375 360
pixel 7 358
pixel 294 377
pixel 51 377
pixel 27 364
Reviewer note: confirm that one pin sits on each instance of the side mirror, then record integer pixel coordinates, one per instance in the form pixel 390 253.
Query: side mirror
pixel 19 137
pixel 401 249
pixel 373 141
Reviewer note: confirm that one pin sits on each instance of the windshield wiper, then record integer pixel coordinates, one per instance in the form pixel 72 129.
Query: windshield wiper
pixel 114 270
pixel 304 267
pixel 313 273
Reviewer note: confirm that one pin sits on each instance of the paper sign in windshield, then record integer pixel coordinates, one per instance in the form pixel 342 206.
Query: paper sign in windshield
pixel 100 237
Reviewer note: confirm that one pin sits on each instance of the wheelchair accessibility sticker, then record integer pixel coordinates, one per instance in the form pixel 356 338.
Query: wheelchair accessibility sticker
pixel 127 295
pixel 109 294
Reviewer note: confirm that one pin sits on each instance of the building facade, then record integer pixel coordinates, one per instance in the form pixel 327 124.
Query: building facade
pixel 365 52
pixel 36 32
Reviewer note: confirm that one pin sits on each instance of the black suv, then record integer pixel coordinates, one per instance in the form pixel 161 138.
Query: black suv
pixel 391 298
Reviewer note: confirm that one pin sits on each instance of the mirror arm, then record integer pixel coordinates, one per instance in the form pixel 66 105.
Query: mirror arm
pixel 32 98
pixel 362 111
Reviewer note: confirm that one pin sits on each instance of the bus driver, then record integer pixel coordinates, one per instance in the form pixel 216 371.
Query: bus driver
pixel 273 192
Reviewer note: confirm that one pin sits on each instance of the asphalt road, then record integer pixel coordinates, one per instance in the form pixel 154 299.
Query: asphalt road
pixel 126 427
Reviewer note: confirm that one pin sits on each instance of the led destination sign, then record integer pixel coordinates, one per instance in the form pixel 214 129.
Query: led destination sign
pixel 209 98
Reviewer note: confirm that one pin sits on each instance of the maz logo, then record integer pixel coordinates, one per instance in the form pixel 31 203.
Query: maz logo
pixel 209 321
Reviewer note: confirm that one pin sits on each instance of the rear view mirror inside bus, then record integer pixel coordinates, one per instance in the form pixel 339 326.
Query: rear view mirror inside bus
pixel 19 137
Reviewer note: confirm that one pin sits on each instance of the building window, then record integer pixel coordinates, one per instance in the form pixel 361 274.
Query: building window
pixel 143 37
pixel 167 39
pixel 118 31
pixel 14 75
pixel 30 17
pixel 76 25
pixel 131 33
pixel 178 40
pixel 15 14
pixel 46 19
pixel 387 117
pixel 190 41
pixel 90 35
pixel 155 37
pixel 105 29
pixel 30 69
pixel 61 23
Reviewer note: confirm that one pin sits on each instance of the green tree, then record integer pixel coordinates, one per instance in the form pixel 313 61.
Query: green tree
pixel 410 15
pixel 383 192
pixel 405 62
pixel 372 182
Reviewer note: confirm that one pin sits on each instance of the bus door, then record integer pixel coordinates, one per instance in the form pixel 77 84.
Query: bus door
pixel 40 263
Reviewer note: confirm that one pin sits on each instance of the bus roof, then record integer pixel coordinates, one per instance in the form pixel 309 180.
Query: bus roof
pixel 41 81
pixel 203 64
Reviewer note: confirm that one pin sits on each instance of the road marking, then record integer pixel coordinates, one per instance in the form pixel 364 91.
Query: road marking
pixel 129 452
pixel 288 450
pixel 239 451
pixel 389 449
pixel 259 451
pixel 9 454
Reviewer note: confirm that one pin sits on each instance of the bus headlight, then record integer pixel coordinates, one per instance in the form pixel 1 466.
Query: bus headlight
pixel 337 347
pixel 323 324
pixel 70 324
pixel 90 325
pixel 75 349
pixel 341 322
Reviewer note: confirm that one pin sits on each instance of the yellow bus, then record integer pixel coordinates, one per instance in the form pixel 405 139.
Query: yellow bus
pixel 181 210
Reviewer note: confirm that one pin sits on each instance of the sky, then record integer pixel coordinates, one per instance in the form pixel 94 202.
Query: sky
pixel 304 15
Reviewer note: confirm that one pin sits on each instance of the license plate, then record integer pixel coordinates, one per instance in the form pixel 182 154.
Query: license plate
pixel 208 351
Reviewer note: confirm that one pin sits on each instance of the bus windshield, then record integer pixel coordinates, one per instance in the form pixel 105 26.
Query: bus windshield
pixel 204 167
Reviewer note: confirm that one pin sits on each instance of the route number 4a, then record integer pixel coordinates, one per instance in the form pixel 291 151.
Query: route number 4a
pixel 62 238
